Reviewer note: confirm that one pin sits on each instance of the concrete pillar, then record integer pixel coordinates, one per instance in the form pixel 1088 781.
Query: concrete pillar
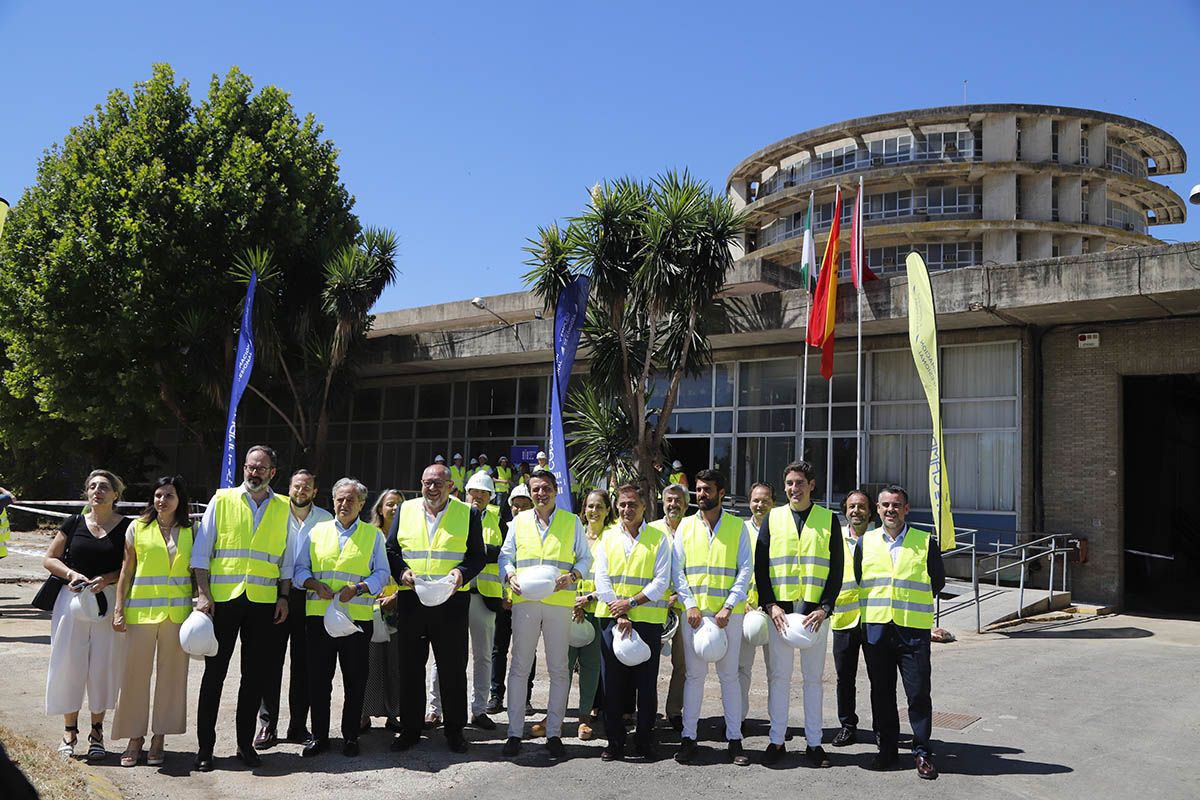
pixel 1070 194
pixel 1097 142
pixel 739 191
pixel 1000 246
pixel 1036 195
pixel 1097 202
pixel 1097 244
pixel 1070 244
pixel 1036 244
pixel 1035 139
pixel 1000 137
pixel 1000 196
pixel 1068 141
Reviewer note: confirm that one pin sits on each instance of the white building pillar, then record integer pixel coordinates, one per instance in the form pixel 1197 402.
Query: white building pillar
pixel 1000 137
pixel 1070 198
pixel 1035 139
pixel 1068 141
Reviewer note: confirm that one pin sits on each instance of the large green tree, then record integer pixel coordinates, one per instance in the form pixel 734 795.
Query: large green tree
pixel 118 300
pixel 657 254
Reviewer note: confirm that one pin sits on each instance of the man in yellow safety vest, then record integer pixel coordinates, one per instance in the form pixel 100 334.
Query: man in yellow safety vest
pixel 846 623
pixel 761 500
pixel 675 505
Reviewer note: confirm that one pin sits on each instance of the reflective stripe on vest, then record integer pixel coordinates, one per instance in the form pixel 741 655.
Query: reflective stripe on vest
pixel 4 532
pixel 488 580
pixel 900 593
pixel 661 525
pixel 337 567
pixel 799 562
pixel 161 588
pixel 433 561
pixel 246 559
pixel 847 611
pixel 503 479
pixel 556 550
pixel 631 574
pixel 711 567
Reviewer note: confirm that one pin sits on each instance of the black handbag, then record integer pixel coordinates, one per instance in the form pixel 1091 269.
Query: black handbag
pixel 48 594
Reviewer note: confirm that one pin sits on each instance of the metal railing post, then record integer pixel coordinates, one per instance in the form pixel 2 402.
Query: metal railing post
pixel 1021 592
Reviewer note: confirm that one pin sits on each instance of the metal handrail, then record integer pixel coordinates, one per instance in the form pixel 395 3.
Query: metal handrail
pixel 1044 547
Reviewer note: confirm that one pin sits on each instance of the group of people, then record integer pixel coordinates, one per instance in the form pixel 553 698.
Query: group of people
pixel 600 592
pixel 504 475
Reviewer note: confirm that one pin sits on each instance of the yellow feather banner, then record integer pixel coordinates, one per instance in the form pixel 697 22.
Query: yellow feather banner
pixel 3 213
pixel 922 337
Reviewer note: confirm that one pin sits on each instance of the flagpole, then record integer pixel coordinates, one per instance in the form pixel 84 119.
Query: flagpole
pixel 858 273
pixel 807 319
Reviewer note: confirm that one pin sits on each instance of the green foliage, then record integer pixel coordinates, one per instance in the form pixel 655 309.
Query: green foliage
pixel 118 279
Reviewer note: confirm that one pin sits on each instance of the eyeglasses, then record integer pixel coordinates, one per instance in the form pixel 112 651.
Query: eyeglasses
pixel 433 484
pixel 256 469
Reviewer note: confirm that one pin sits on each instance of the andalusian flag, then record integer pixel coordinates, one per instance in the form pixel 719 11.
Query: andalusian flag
pixel 824 310
pixel 809 252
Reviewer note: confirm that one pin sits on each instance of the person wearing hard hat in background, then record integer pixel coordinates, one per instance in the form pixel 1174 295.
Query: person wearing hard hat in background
pixel 485 602
pixel 343 558
pixel 518 501
pixel 632 575
pixel 242 560
pixel 542 461
pixel 761 501
pixel 483 466
pixel 458 474
pixel 504 479
pixel 544 535
pixel 678 475
pixel 434 536
pixel 713 562
pixel 899 571
pixel 675 506
pixel 846 623
pixel 798 568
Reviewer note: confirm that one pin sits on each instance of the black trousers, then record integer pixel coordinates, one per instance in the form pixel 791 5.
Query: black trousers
pixel 292 630
pixel 500 645
pixel 324 654
pixel 620 681
pixel 254 622
pixel 846 646
pixel 910 657
pixel 444 629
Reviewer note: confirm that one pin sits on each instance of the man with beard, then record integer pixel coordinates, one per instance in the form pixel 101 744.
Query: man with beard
pixel 675 505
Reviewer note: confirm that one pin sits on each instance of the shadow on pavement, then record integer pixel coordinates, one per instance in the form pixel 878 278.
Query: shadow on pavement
pixel 26 639
pixel 961 758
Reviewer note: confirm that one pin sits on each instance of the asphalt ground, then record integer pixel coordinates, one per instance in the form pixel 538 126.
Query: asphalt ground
pixel 1104 707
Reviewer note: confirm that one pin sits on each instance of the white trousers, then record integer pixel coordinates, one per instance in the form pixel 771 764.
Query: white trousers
pixel 553 624
pixel 83 656
pixel 779 684
pixel 727 675
pixel 746 671
pixel 481 621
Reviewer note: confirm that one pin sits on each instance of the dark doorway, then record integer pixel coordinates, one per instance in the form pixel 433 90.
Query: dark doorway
pixel 1162 479
pixel 691 452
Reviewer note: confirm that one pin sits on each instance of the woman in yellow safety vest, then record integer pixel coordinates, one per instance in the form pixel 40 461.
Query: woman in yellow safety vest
pixel 598 515
pixel 154 597
pixel 382 698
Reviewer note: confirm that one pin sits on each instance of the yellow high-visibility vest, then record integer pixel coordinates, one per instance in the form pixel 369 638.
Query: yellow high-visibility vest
pixel 459 476
pixel 503 479
pixel 711 567
pixel 900 592
pixel 488 580
pixel 246 559
pixel 677 477
pixel 433 560
pixel 847 611
pixel 631 574
pixel 799 564
pixel 338 567
pixel 161 588
pixel 5 532
pixel 556 550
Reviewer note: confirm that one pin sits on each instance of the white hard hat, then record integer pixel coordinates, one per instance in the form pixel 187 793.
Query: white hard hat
pixel 481 480
pixel 796 634
pixel 709 641
pixel 541 454
pixel 756 630
pixel 338 622
pixel 439 459
pixel 630 650
pixel 537 582
pixel 458 455
pixel 582 634
pixel 520 491
pixel 197 636
pixel 84 606
pixel 434 592
pixel 677 464
pixel 483 456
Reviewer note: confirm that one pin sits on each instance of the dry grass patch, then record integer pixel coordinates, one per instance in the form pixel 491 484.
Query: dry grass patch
pixel 54 777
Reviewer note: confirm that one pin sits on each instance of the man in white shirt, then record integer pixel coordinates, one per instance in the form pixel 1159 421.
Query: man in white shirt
pixel 302 489
pixel 675 505
pixel 761 501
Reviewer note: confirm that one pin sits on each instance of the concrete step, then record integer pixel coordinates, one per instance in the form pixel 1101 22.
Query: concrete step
pixel 997 604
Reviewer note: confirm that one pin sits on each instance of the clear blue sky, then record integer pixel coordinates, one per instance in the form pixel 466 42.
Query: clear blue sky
pixel 463 126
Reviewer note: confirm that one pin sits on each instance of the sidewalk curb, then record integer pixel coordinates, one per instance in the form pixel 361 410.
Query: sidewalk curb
pixel 100 787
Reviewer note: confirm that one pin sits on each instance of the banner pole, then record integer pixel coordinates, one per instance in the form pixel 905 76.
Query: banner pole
pixel 858 268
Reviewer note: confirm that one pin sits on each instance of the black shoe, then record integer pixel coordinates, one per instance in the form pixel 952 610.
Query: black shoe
pixel 646 752
pixel 456 742
pixel 297 735
pixel 349 748
pixel 266 739
pixel 554 747
pixel 404 742
pixel 772 754
pixel 393 725
pixel 737 755
pixel 248 757
pixel 686 752
pixel 483 722
pixel 884 761
pixel 845 737
pixel 611 753
pixel 204 762
pixel 816 757
pixel 512 746
pixel 314 747
pixel 494 705
pixel 926 768
pixel 677 722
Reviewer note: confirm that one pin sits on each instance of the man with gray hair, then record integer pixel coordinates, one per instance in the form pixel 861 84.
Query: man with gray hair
pixel 675 506
pixel 342 558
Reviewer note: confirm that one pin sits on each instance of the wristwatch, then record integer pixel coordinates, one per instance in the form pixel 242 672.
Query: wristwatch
pixel 633 603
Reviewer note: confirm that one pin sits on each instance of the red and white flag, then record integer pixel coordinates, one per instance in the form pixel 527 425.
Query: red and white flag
pixel 858 261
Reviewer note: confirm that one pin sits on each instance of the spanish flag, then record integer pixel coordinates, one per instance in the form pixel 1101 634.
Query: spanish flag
pixel 824 310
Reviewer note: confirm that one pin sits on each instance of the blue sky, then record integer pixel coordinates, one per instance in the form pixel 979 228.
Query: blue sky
pixel 464 126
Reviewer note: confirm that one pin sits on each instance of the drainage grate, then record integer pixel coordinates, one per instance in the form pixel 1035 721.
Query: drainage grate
pixel 955 722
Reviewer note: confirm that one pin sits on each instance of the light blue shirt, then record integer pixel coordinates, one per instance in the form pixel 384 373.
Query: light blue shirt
pixel 656 589
pixel 745 563
pixel 298 529
pixel 206 534
pixel 894 545
pixel 508 550
pixel 379 563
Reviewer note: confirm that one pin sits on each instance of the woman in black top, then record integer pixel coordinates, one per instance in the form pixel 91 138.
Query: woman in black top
pixel 86 553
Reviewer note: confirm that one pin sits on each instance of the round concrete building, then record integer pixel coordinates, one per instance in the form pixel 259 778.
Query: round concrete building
pixel 965 185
